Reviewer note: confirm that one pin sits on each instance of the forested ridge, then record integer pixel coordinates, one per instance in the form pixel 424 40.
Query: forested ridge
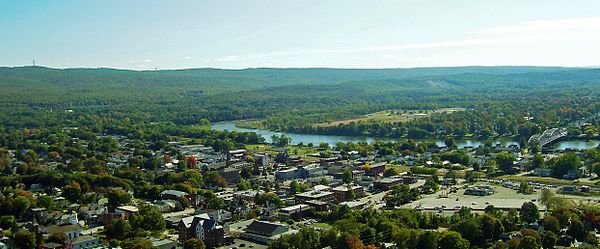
pixel 496 98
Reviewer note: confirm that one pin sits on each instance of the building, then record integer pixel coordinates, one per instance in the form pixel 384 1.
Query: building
pixel 387 183
pixel 479 190
pixel 70 231
pixel 344 193
pixel 50 245
pixel 82 242
pixel 201 227
pixel 262 231
pixel 315 195
pixel 126 210
pixel 230 174
pixel 262 159
pixel 286 174
pixel 376 169
pixel 295 212
pixel 163 243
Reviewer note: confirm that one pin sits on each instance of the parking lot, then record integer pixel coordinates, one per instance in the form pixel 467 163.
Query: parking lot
pixel 503 198
pixel 240 243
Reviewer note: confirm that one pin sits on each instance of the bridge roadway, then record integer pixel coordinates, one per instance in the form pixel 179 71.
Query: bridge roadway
pixel 548 136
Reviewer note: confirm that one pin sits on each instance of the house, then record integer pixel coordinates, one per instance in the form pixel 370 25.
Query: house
pixel 263 231
pixel 71 231
pixel 173 194
pixel 544 172
pixel 50 245
pixel 201 227
pixel 82 242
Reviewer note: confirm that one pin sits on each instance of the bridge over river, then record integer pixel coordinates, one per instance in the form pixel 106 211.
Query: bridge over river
pixel 553 134
pixel 547 137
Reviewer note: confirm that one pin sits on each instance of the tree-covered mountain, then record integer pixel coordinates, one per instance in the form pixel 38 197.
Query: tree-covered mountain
pixel 296 99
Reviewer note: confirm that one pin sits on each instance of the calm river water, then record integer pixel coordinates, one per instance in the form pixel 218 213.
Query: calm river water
pixel 332 140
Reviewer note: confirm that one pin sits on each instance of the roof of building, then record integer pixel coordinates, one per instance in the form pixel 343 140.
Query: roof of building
pixel 161 242
pixel 265 228
pixel 51 245
pixel 130 209
pixel 315 194
pixel 200 219
pixel 63 228
pixel 82 239
pixel 174 193
pixel 295 208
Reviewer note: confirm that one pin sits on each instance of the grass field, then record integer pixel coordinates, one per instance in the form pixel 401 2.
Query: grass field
pixel 393 116
pixel 547 180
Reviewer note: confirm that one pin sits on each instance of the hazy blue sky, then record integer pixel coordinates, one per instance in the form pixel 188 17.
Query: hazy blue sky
pixel 352 34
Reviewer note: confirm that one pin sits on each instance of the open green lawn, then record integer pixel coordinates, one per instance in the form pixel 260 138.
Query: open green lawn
pixel 547 180
pixel 393 116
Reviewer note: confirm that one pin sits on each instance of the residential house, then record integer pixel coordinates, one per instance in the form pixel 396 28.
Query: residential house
pixel 82 242
pixel 70 231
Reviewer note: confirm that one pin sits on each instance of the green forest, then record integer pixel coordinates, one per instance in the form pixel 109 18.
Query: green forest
pixel 511 101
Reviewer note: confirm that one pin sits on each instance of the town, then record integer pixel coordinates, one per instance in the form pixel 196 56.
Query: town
pixel 258 194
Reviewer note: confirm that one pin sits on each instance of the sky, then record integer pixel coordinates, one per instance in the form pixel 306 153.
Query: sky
pixel 341 34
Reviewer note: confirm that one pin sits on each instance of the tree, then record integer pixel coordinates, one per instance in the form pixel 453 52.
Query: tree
pixel 564 163
pixel 59 238
pixel 7 221
pixel 505 161
pixel 72 192
pixel 21 205
pixel 537 161
pixel 24 239
pixel 576 229
pixel 118 229
pixel 281 140
pixel 243 185
pixel 149 219
pixel 269 197
pixel 491 228
pixel 453 240
pixel 551 223
pixel 524 188
pixel 118 197
pixel 529 242
pixel 449 141
pixel 347 176
pixel 549 240
pixel 529 212
pixel 194 244
pixel 45 202
pixel 390 172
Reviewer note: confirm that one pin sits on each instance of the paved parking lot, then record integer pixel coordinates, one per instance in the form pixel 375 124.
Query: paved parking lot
pixel 503 198
pixel 242 244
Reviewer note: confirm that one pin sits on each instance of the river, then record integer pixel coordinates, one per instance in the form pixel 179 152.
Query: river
pixel 332 139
